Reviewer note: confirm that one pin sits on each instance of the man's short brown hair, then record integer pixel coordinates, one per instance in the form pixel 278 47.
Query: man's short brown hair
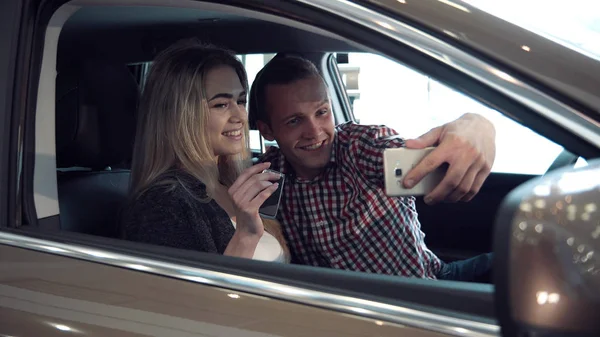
pixel 280 70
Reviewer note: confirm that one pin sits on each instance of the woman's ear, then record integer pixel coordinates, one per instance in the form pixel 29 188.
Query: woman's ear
pixel 265 131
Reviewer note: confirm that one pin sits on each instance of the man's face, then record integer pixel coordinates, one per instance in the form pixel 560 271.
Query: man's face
pixel 302 123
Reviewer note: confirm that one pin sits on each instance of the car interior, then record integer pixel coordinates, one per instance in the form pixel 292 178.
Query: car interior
pixel 103 52
pixel 102 55
pixel 98 86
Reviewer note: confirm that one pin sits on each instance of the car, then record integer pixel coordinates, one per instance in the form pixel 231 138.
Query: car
pixel 70 77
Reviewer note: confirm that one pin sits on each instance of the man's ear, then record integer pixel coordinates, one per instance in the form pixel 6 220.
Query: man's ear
pixel 265 130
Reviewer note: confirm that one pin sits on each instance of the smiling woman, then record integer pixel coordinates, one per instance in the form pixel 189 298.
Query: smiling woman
pixel 189 176
pixel 226 103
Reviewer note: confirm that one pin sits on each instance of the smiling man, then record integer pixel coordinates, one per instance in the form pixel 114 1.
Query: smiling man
pixel 334 209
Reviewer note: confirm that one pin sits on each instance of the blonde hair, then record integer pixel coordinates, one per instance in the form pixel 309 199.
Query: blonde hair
pixel 173 107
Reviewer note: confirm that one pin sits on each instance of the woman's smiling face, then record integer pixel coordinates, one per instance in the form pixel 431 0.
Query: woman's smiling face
pixel 226 97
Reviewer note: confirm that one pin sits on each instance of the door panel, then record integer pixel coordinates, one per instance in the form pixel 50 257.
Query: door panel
pixel 464 229
pixel 44 295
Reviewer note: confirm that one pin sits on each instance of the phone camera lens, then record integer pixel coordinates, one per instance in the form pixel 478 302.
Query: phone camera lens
pixel 398 172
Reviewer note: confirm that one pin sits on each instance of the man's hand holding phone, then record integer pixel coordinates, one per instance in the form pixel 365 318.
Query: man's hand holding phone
pixel 398 162
pixel 467 145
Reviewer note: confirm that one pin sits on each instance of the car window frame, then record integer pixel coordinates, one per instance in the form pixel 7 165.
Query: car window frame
pixel 16 34
pixel 332 72
pixel 8 24
pixel 444 296
pixel 432 290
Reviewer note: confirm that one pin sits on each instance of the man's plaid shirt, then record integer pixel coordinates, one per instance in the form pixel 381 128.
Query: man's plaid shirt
pixel 343 218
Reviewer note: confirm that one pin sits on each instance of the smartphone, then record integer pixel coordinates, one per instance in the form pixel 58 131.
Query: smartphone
pixel 270 207
pixel 397 162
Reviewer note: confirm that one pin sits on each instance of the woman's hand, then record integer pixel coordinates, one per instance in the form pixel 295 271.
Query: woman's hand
pixel 249 192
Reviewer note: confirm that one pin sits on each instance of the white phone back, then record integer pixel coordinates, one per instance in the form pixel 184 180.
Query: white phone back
pixel 405 159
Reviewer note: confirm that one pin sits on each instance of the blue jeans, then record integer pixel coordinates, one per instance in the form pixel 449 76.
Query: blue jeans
pixel 475 269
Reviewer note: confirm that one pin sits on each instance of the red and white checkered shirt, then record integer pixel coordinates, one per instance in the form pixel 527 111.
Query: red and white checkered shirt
pixel 343 218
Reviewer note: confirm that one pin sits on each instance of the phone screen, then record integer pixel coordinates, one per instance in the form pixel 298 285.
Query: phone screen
pixel 270 207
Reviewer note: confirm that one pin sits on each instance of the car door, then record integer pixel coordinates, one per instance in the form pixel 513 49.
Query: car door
pixel 45 294
pixel 55 283
pixel 67 281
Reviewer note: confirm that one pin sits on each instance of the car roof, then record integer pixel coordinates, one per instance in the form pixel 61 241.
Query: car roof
pixel 145 30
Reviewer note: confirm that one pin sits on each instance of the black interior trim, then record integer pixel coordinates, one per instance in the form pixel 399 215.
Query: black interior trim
pixel 32 40
pixel 140 44
pixel 48 223
pixel 22 49
pixel 461 230
pixel 9 28
pixel 456 299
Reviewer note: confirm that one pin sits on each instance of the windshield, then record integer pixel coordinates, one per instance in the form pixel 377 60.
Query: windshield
pixel 574 23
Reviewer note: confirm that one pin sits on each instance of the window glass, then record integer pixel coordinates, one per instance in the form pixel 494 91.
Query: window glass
pixel 253 64
pixel 383 91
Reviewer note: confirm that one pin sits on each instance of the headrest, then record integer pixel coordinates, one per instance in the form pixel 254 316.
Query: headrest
pixel 96 102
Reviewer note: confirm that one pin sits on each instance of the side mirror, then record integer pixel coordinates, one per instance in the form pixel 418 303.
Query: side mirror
pixel 547 255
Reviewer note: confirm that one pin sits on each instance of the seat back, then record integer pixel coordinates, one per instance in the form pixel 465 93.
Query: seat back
pixel 96 101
